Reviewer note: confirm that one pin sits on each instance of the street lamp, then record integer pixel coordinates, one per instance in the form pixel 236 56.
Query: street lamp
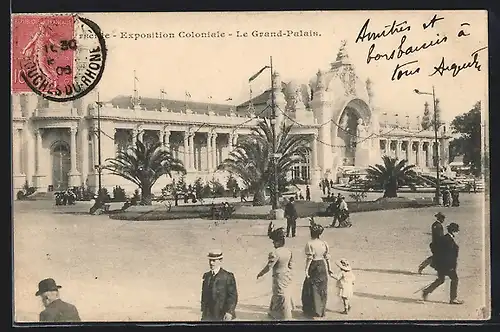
pixel 436 127
pixel 99 166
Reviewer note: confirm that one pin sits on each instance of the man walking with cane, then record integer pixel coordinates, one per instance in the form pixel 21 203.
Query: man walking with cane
pixel 446 264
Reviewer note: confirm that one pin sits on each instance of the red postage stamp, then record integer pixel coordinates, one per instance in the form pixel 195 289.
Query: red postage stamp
pixel 53 56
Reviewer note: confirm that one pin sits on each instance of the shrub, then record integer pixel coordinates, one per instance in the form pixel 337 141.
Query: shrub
pixel 206 191
pixel 358 196
pixel 119 194
pixel 217 188
pixel 135 198
pixel 20 195
pixel 104 195
pixel 198 188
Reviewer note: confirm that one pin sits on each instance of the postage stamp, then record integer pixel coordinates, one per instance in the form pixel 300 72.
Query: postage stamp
pixel 50 57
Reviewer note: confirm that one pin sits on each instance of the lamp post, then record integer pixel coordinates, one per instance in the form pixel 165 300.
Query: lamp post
pixel 99 166
pixel 436 127
pixel 275 196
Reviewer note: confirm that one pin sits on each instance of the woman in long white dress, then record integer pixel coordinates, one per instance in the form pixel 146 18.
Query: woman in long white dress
pixel 280 261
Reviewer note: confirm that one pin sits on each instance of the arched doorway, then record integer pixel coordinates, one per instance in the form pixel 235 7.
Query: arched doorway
pixel 61 165
pixel 351 131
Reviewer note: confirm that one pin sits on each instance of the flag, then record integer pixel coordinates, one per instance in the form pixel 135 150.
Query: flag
pixel 188 94
pixel 163 91
pixel 228 99
pixel 210 97
pixel 135 77
pixel 257 74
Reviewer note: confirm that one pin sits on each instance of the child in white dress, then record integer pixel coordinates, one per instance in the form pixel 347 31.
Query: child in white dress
pixel 345 283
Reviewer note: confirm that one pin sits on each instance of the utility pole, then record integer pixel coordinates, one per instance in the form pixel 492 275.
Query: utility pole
pixel 436 142
pixel 99 166
pixel 436 127
pixel 275 196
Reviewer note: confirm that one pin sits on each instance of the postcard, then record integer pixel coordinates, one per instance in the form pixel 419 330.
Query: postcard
pixel 250 166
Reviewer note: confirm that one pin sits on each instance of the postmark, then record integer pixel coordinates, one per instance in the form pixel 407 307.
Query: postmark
pixel 51 59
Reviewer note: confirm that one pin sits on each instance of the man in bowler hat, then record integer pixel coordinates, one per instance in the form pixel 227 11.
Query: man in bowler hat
pixel 56 310
pixel 446 264
pixel 437 232
pixel 291 217
pixel 219 294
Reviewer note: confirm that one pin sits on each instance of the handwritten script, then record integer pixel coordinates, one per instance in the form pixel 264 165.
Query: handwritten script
pixel 404 49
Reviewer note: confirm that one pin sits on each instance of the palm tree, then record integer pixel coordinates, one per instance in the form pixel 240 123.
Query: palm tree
pixel 143 164
pixel 391 175
pixel 251 158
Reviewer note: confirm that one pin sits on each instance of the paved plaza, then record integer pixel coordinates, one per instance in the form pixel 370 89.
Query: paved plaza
pixel 115 270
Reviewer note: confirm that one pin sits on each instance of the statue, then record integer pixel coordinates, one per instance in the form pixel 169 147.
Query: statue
pixel 362 132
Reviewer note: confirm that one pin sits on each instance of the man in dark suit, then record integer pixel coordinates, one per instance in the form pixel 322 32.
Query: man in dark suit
pixel 291 217
pixel 56 310
pixel 437 232
pixel 219 294
pixel 445 262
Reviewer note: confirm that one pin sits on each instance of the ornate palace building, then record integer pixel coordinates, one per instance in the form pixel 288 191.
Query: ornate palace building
pixel 55 144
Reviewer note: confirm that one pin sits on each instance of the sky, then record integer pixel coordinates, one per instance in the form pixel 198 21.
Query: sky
pixel 220 67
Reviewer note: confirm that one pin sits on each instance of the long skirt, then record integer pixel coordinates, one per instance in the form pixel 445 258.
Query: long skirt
pixel 281 302
pixel 314 290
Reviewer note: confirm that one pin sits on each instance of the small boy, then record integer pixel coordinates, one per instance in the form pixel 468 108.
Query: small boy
pixel 345 283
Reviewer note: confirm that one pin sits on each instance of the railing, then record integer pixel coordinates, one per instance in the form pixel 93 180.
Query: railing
pixel 229 120
pixel 56 112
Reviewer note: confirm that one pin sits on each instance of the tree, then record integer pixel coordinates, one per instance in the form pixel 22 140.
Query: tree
pixel 232 185
pixel 469 142
pixel 144 165
pixel 251 158
pixel 436 120
pixel 426 119
pixel 391 175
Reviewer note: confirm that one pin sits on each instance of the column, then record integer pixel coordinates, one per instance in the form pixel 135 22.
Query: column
pixel 84 140
pixel 135 132
pixel 387 150
pixel 399 151
pixel 214 149
pixel 18 177
pixel 235 139
pixel 191 150
pixel 39 178
pixel 140 135
pixel 430 153
pixel 314 152
pixel 209 152
pixel 166 140
pixel 408 151
pixel 38 145
pixel 230 142
pixel 73 149
pixel 186 150
pixel 420 154
pixel 17 143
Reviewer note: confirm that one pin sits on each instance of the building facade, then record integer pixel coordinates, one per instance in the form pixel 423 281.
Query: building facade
pixel 55 145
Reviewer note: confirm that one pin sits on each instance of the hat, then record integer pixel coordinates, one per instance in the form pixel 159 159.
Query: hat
pixel 439 216
pixel 46 285
pixel 277 234
pixel 343 264
pixel 215 254
pixel 453 227
pixel 316 229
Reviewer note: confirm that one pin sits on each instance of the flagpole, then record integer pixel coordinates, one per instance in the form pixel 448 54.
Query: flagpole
pixel 273 124
pixel 99 169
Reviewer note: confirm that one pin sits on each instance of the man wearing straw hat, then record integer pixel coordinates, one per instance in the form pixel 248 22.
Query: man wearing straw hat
pixel 56 310
pixel 437 232
pixel 219 294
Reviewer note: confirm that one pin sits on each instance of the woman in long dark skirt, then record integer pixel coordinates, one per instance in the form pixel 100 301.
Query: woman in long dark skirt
pixel 314 290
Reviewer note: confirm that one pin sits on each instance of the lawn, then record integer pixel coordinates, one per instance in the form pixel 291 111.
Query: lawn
pixel 115 270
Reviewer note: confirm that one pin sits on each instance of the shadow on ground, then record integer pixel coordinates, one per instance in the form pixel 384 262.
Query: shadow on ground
pixel 403 272
pixel 391 298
